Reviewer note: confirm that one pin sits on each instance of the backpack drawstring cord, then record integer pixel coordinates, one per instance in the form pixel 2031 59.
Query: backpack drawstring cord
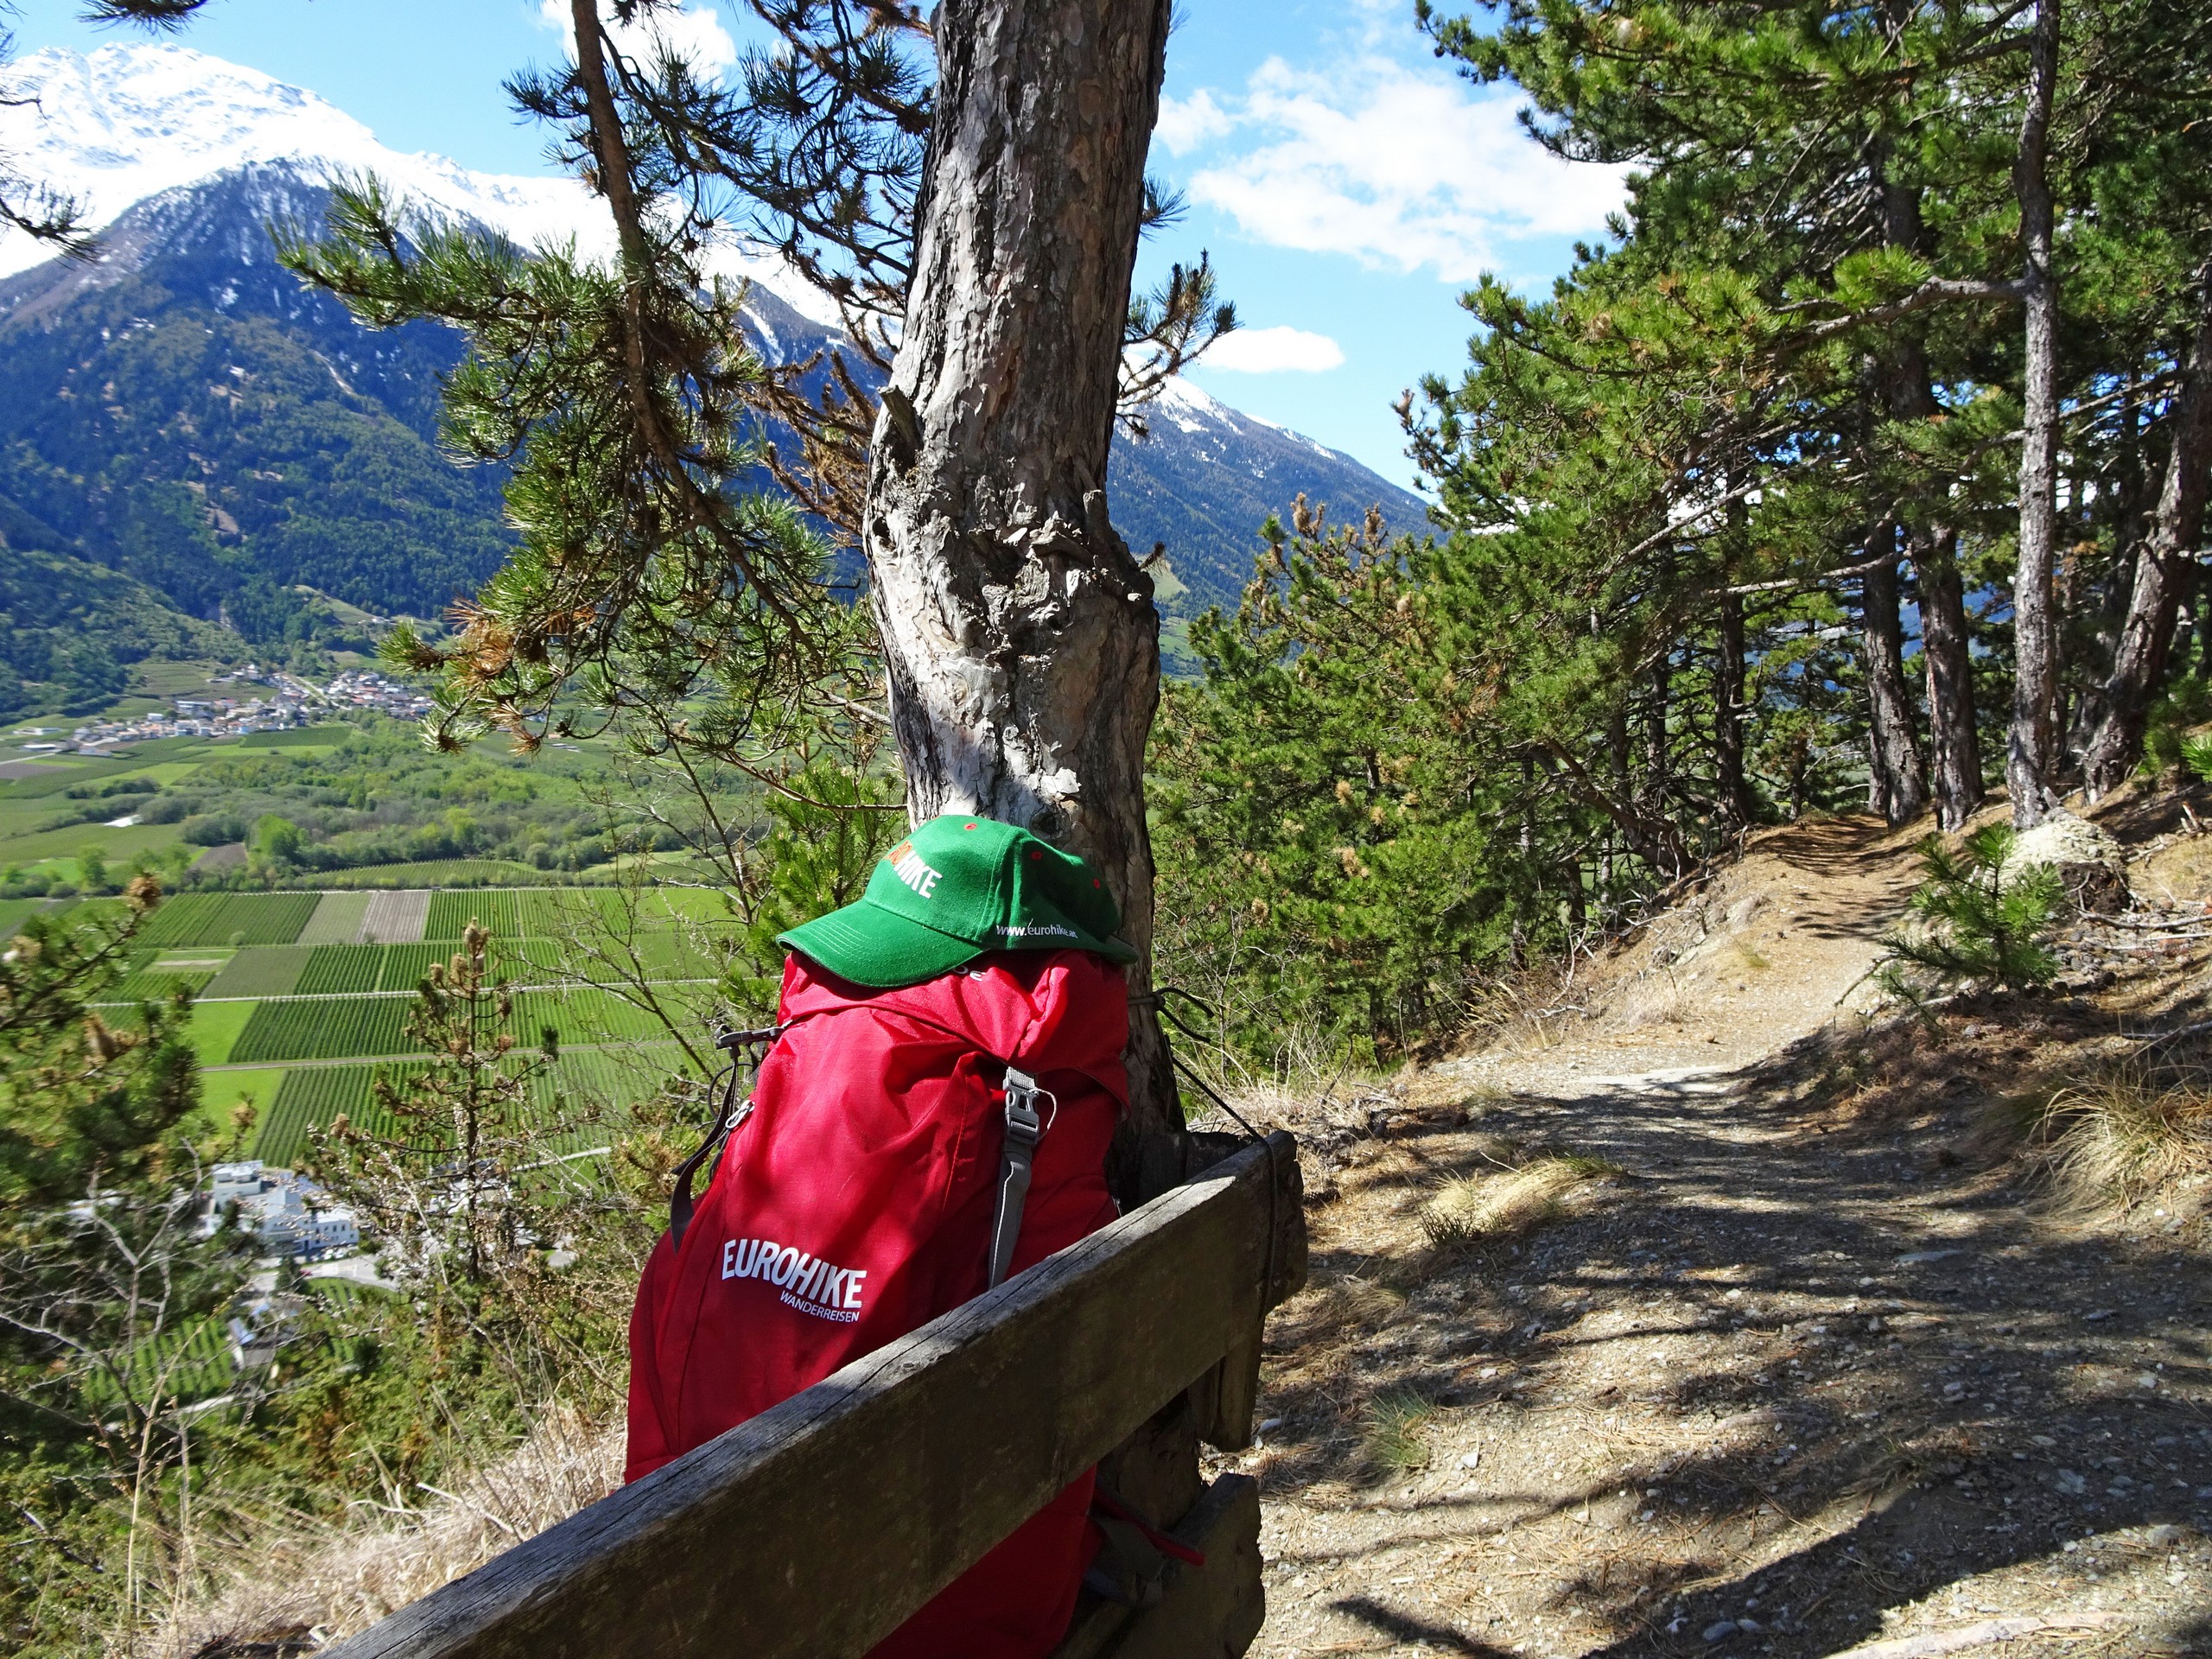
pixel 727 1117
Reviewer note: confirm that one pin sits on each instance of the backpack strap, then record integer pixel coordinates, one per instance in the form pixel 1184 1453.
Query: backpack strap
pixel 729 1116
pixel 1135 1556
pixel 1024 1128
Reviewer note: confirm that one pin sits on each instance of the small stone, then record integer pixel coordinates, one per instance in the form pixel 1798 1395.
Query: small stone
pixel 1722 1631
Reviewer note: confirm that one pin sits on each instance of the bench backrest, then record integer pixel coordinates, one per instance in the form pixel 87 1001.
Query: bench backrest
pixel 813 1530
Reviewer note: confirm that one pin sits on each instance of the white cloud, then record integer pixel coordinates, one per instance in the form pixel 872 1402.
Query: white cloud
pixel 689 31
pixel 1272 351
pixel 1187 123
pixel 1392 164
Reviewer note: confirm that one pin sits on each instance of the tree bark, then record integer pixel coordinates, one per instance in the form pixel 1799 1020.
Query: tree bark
pixel 1734 789
pixel 1909 395
pixel 1898 785
pixel 1656 766
pixel 2032 752
pixel 1019 634
pixel 2164 565
pixel 1945 647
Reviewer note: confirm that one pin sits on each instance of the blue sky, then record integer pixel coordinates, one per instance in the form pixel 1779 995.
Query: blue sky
pixel 1347 185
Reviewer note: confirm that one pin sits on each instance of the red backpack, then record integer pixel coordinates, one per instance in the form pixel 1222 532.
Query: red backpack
pixel 875 1182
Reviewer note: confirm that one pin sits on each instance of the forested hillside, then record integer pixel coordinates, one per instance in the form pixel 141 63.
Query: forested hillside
pixel 74 627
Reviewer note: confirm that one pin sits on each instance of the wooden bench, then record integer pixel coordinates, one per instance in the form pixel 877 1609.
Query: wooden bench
pixel 813 1530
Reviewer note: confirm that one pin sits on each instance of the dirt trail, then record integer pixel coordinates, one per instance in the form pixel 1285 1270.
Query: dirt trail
pixel 1792 1379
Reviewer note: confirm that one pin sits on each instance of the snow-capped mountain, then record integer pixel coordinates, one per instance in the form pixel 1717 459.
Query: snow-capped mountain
pixel 125 123
pixel 181 160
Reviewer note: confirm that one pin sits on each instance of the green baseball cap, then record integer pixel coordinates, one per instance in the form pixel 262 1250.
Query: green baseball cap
pixel 956 888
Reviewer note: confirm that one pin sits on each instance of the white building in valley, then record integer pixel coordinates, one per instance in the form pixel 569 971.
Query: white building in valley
pixel 289 1214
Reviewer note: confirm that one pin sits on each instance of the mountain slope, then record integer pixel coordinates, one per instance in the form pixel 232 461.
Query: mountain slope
pixel 182 411
pixel 69 629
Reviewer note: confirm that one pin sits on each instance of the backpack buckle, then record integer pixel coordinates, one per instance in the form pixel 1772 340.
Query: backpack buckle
pixel 1024 1128
pixel 1022 1094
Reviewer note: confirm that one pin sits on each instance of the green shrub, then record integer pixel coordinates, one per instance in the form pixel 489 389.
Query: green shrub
pixel 1972 923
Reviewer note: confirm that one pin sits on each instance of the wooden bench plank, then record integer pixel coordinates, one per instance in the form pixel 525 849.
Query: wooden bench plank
pixel 813 1530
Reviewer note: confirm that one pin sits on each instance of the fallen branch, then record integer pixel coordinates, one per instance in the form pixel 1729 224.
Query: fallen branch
pixel 2158 1036
pixel 1958 1640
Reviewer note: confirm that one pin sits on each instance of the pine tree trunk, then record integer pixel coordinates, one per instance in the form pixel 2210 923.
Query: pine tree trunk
pixel 2164 566
pixel 1944 646
pixel 1898 776
pixel 1021 645
pixel 1734 788
pixel 1909 395
pixel 2032 752
pixel 1657 770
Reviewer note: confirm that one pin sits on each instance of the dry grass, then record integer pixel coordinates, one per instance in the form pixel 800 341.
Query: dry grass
pixel 292 1593
pixel 1507 1201
pixel 2127 1134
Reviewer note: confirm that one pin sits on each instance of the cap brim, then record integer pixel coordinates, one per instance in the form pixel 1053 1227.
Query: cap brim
pixel 872 946
pixel 879 948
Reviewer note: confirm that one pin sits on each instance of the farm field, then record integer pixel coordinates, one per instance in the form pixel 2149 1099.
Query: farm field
pixel 222 1092
pixel 215 1027
pixel 301 1029
pixel 313 1095
pixel 14 913
pixel 50 783
pixel 152 983
pixel 353 970
pixel 549 912
pixel 231 919
pixel 375 1027
pixel 260 971
pixel 301 737
pixel 337 919
pixel 117 845
pixel 322 1028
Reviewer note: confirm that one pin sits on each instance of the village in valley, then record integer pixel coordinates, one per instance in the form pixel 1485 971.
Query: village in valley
pixel 291 700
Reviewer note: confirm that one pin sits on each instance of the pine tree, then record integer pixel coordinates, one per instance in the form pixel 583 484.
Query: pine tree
pixel 439 1185
pixel 102 1272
